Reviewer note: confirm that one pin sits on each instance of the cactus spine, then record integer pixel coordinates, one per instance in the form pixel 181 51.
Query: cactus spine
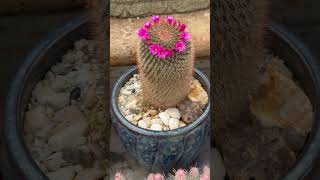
pixel 165 61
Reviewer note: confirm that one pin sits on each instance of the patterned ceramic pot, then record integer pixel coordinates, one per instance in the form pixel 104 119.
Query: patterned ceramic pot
pixel 161 150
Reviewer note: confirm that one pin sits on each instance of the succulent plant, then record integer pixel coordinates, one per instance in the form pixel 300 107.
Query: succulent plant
pixel 165 61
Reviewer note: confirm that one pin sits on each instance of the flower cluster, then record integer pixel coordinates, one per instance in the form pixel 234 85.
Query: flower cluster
pixel 180 37
pixel 180 174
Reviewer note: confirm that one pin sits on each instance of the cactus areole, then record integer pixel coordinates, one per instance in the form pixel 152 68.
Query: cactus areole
pixel 165 60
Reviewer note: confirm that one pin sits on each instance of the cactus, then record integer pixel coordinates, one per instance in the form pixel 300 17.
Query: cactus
pixel 238 54
pixel 180 174
pixel 165 61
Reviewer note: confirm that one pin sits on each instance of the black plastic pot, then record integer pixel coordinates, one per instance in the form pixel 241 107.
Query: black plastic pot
pixel 16 161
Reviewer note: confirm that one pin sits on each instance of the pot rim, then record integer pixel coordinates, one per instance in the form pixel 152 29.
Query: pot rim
pixel 161 134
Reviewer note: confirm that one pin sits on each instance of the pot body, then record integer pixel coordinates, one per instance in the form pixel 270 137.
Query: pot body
pixel 166 150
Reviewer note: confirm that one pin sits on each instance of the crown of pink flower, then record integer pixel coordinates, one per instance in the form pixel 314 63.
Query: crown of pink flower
pixel 164 36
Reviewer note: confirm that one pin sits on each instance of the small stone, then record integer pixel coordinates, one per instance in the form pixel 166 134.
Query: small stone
pixel 66 173
pixel 55 161
pixel 165 128
pixel 36 119
pixel 147 120
pixel 59 84
pixel 131 104
pixel 173 123
pixel 153 112
pixel 137 117
pixel 68 136
pixel 173 112
pixel 125 92
pixel 164 117
pixel 198 94
pixel 90 174
pixel 156 121
pixel 130 117
pixel 121 99
pixel 134 110
pixel 46 96
pixel 142 124
pixel 156 127
pixel 182 124
pixel 75 93
pixel 190 111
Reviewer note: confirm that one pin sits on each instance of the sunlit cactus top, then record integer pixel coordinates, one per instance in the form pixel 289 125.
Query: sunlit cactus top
pixel 164 36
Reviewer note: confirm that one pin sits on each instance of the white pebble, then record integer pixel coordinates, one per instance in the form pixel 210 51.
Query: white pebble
pixel 173 112
pixel 164 118
pixel 142 124
pixel 156 121
pixel 129 117
pixel 173 123
pixel 182 124
pixel 156 127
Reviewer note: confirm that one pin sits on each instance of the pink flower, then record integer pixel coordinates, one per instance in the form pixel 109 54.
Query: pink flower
pixel 156 19
pixel 119 176
pixel 169 53
pixel 158 176
pixel 154 48
pixel 170 19
pixel 147 25
pixel 180 46
pixel 143 34
pixel 180 175
pixel 194 172
pixel 206 171
pixel 205 177
pixel 182 27
pixel 185 36
pixel 162 53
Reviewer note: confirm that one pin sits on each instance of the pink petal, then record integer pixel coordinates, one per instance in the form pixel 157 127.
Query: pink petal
pixel 206 171
pixel 143 34
pixel 170 19
pixel 147 25
pixel 156 19
pixel 180 175
pixel 158 176
pixel 161 53
pixel 182 27
pixel 205 177
pixel 185 36
pixel 180 46
pixel 151 177
pixel 119 176
pixel 194 172
pixel 169 53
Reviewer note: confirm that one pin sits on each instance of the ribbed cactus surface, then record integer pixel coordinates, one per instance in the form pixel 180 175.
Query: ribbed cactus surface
pixel 165 61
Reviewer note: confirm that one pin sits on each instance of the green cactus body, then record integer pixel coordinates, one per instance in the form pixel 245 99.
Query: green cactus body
pixel 165 80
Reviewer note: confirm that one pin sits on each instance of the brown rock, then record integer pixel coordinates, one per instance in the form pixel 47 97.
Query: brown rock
pixel 189 110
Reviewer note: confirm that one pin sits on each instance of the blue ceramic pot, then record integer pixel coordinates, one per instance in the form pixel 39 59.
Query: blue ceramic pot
pixel 161 150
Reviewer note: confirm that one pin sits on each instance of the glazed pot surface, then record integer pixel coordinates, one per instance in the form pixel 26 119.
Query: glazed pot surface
pixel 161 150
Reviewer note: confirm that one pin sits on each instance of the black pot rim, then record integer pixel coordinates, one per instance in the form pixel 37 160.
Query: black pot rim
pixel 146 132
pixel 23 162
